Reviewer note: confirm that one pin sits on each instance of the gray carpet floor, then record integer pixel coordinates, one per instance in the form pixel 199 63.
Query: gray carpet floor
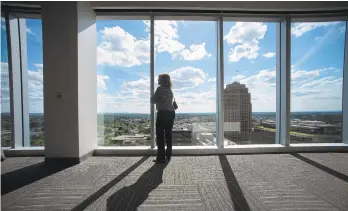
pixel 313 181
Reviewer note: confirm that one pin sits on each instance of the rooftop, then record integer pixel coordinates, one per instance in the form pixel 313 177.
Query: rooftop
pixel 315 181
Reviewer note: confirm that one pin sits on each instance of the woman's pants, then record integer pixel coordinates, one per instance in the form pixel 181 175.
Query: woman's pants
pixel 164 126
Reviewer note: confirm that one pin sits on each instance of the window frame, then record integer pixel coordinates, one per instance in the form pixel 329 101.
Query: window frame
pixel 283 70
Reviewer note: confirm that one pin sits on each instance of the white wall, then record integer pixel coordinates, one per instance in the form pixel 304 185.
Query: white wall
pixel 59 33
pixel 87 78
pixel 225 5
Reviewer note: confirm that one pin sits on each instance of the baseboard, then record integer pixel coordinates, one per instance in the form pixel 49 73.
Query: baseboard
pixel 56 161
pixel 84 157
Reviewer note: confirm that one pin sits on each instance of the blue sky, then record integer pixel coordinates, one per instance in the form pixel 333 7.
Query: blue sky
pixel 187 51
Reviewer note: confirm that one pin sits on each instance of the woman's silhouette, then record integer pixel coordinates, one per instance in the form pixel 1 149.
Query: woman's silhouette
pixel 163 98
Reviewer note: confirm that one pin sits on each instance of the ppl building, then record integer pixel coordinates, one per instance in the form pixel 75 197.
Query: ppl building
pixel 237 113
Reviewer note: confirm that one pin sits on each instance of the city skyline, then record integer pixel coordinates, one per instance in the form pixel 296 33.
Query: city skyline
pixel 337 111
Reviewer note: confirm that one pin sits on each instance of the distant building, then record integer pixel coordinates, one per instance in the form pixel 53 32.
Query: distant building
pixel 181 137
pixel 237 113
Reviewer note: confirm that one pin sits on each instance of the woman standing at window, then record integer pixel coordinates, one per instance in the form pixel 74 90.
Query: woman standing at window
pixel 163 98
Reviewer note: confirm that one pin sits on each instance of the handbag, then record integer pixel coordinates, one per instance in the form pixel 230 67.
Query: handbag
pixel 175 105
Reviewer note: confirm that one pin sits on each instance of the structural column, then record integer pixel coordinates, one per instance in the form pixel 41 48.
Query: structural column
pixel 70 82
pixel 283 82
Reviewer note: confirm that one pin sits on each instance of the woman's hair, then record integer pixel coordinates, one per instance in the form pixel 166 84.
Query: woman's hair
pixel 164 80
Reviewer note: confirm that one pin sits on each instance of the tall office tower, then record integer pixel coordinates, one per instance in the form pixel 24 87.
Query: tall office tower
pixel 237 114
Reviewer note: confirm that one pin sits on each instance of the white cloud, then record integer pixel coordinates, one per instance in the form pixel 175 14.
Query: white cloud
pixel 303 74
pixel 187 77
pixel 5 88
pixel 323 81
pixel 29 31
pixel 269 54
pixel 39 66
pixel 132 97
pixel 311 91
pixel 249 51
pixel 101 84
pixel 182 78
pixel 120 48
pixel 197 101
pixel 141 84
pixel 195 52
pixel 212 79
pixel 167 40
pixel 166 36
pixel 245 36
pixel 238 77
pixel 35 89
pixel 298 29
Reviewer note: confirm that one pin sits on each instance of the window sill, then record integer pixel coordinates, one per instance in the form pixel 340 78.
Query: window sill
pixel 194 150
pixel 231 149
pixel 25 151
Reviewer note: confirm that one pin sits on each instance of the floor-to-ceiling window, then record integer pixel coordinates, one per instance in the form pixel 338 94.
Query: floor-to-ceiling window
pixel 6 121
pixel 35 81
pixel 317 60
pixel 186 50
pixel 249 82
pixel 123 77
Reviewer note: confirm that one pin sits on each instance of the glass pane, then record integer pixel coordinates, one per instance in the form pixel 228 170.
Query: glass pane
pixel 35 81
pixel 249 83
pixel 186 50
pixel 123 75
pixel 6 122
pixel 317 54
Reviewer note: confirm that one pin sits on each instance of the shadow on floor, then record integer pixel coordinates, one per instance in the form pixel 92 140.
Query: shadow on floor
pixel 321 167
pixel 24 176
pixel 131 197
pixel 92 198
pixel 236 194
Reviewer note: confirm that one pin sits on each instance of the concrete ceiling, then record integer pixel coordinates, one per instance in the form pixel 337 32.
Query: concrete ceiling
pixel 225 5
pixel 280 6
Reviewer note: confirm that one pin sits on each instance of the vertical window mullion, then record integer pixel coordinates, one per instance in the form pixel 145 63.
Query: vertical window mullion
pixel 220 86
pixel 24 81
pixel 152 76
pixel 345 90
pixel 283 82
